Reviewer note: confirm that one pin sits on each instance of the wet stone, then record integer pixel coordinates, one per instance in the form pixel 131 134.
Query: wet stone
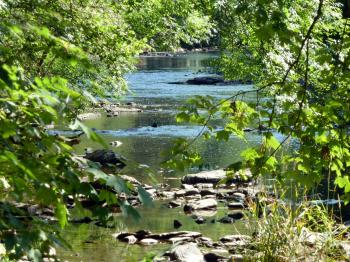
pixel 180 193
pixel 207 192
pixel 177 224
pixel 166 194
pixel 202 186
pixel 235 205
pixel 149 241
pixel 231 238
pixel 174 240
pixel 226 220
pixel 174 204
pixel 201 204
pixel 130 179
pixel 187 186
pixel 236 215
pixel 200 220
pixel 193 197
pixel 129 239
pixel 191 192
pixel 186 253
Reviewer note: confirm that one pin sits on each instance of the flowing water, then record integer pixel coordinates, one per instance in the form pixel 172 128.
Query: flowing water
pixel 144 144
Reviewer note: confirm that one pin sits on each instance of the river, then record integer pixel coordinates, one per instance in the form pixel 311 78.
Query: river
pixel 143 146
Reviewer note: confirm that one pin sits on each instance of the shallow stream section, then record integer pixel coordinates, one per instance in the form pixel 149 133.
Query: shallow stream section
pixel 144 144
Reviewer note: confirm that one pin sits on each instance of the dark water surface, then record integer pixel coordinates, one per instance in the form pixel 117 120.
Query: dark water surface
pixel 143 144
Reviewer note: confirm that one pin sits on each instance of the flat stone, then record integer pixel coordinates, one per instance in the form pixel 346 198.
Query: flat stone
pixel 200 220
pixel 130 179
pixel 186 253
pixel 207 177
pixel 174 204
pixel 232 238
pixel 208 192
pixel 186 186
pixel 193 197
pixel 88 116
pixel 121 235
pixel 240 197
pixel 226 220
pixel 129 239
pixel 202 186
pixel 205 213
pixel 180 193
pixel 168 235
pixel 214 257
pixel 236 215
pixel 191 192
pixel 174 240
pixel 191 234
pixel 149 241
pixel 201 204
pixel 214 176
pixel 235 205
pixel 141 234
pixel 166 194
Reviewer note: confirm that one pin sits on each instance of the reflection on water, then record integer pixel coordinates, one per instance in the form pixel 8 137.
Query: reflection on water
pixel 143 144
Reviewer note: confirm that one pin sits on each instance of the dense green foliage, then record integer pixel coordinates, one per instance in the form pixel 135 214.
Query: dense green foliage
pixel 297 54
pixel 55 57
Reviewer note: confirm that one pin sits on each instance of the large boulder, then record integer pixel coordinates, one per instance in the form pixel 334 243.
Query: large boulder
pixel 206 177
pixel 206 204
pixel 186 253
pixel 106 157
pixel 212 80
pixel 205 80
pixel 214 176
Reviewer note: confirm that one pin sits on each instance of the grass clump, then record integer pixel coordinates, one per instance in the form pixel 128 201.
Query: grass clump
pixel 290 231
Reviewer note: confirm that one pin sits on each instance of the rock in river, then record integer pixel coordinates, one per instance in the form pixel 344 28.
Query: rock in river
pixel 88 116
pixel 129 239
pixel 214 176
pixel 148 241
pixel 106 157
pixel 209 203
pixel 207 177
pixel 235 205
pixel 226 220
pixel 236 215
pixel 186 253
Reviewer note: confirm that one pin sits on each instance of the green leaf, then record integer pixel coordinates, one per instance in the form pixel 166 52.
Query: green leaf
pixel 223 135
pixel 98 174
pixel 271 142
pixel 129 211
pixel 144 197
pixel 118 184
pixel 182 117
pixel 61 213
pixel 89 133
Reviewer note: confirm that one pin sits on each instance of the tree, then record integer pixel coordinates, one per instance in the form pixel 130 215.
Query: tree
pixel 297 55
pixel 55 57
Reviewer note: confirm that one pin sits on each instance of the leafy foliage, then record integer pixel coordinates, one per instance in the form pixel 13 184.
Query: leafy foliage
pixel 55 57
pixel 297 55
